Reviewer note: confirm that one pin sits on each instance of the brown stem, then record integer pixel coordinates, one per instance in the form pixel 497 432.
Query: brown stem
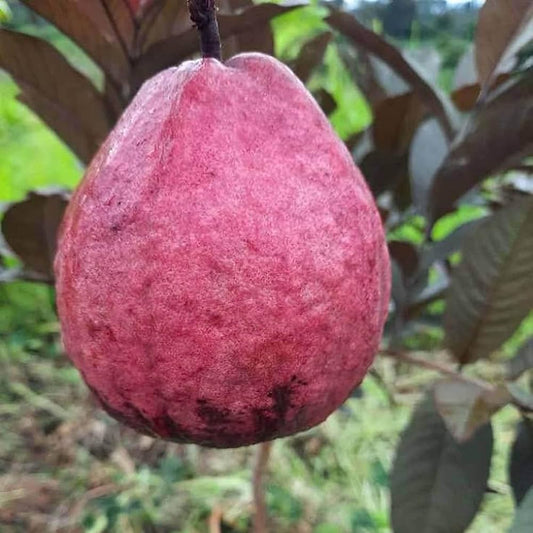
pixel 436 367
pixel 214 520
pixel 204 16
pixel 260 522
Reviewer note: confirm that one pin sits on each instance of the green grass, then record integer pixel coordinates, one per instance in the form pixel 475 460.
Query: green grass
pixel 88 469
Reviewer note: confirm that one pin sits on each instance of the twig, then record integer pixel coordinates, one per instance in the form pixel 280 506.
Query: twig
pixel 204 16
pixel 92 494
pixel 383 384
pixel 435 366
pixel 260 522
pixel 214 520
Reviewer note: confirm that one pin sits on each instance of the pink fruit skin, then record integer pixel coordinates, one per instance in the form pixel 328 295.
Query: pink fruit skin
pixel 222 273
pixel 137 5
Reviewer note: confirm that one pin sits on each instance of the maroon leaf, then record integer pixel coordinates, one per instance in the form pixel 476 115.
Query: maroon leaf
pixel 373 43
pixel 496 137
pixel 465 98
pixel 62 96
pixel 30 229
pixel 258 39
pixel 384 170
pixel 162 19
pixel 311 55
pixel 521 461
pixel 88 24
pixel 122 18
pixel 491 290
pixel 467 88
pixel 363 71
pixel 174 49
pixel 406 255
pixel 325 101
pixel 395 121
pixel 438 484
pixel 503 27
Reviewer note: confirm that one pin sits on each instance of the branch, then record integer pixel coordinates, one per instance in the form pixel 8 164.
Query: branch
pixel 524 405
pixel 261 461
pixel 435 366
pixel 204 17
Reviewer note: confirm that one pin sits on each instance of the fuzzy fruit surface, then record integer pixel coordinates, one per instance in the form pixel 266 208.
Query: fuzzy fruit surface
pixel 222 273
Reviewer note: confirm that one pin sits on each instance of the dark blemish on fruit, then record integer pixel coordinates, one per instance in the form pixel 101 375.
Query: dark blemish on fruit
pixel 165 426
pixel 215 319
pixel 251 246
pixel 281 394
pixel 210 414
pixel 115 228
pixel 98 331
pixel 133 419
pixel 265 423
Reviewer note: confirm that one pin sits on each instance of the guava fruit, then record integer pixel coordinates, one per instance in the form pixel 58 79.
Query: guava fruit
pixel 222 272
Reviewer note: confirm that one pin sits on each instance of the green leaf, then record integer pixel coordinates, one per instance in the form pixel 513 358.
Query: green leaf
pixel 522 361
pixel 438 484
pixel 491 290
pixel 5 11
pixel 523 521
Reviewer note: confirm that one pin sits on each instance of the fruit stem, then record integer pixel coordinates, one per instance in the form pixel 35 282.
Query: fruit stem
pixel 260 522
pixel 204 17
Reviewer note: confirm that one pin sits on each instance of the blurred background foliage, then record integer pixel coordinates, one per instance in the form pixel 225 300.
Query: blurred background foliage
pixel 66 466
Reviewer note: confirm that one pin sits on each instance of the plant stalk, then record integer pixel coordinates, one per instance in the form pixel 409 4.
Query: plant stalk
pixel 260 521
pixel 204 17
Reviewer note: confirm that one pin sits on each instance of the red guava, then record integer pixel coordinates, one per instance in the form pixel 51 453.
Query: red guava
pixel 222 273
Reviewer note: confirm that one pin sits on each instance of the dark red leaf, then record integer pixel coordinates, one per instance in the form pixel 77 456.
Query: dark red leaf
pixel 497 136
pixel 521 463
pixel 503 27
pixel 311 55
pixel 406 255
pixel 325 101
pixel 257 39
pixel 395 121
pixel 87 23
pixel 384 170
pixel 66 100
pixel 360 36
pixel 30 229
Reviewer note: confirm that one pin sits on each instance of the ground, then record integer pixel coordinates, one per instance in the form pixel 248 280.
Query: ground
pixel 66 466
